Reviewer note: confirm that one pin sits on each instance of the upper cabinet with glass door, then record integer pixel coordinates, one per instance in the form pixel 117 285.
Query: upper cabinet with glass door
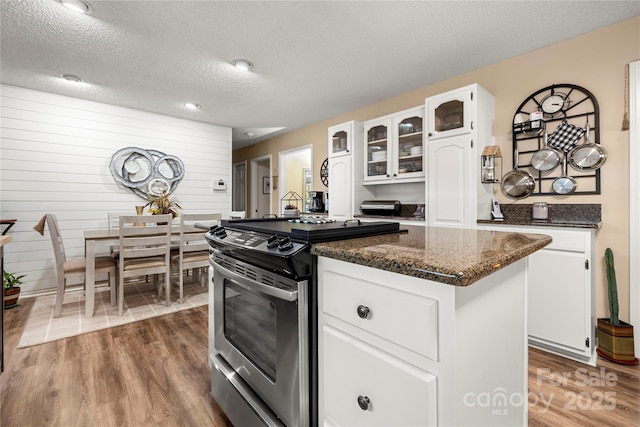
pixel 377 134
pixel 341 139
pixel 394 147
pixel 450 114
pixel 409 144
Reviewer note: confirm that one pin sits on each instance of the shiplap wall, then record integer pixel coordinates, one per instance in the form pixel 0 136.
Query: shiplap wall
pixel 54 157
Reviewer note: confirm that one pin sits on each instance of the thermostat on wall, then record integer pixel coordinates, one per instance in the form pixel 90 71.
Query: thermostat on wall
pixel 219 185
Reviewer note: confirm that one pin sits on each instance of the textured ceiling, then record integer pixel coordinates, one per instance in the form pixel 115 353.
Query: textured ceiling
pixel 313 59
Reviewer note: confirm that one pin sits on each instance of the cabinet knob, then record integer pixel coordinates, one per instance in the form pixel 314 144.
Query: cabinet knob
pixel 430 134
pixel 363 402
pixel 363 311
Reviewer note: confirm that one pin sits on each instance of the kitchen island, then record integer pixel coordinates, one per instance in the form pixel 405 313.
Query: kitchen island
pixel 426 327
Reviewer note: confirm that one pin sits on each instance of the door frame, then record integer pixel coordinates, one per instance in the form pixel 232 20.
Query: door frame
pixel 256 185
pixel 634 201
pixel 234 187
pixel 282 191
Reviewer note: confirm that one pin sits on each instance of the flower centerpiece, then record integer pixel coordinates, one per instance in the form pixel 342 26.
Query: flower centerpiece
pixel 163 204
pixel 291 211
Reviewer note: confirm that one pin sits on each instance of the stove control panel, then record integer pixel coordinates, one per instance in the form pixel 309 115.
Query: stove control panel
pixel 254 241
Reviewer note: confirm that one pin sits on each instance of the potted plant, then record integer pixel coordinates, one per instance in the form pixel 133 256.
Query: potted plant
pixel 163 204
pixel 11 284
pixel 615 337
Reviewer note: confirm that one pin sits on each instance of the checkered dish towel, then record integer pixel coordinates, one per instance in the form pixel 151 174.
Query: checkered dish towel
pixel 565 137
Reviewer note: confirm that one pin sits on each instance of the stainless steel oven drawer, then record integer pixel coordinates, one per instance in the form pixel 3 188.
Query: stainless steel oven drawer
pixel 233 397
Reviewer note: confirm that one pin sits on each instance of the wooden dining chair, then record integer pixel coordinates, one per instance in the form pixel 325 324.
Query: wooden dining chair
pixel 193 253
pixel 145 249
pixel 67 268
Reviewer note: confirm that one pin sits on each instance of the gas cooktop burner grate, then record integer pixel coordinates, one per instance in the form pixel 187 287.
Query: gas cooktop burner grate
pixel 312 220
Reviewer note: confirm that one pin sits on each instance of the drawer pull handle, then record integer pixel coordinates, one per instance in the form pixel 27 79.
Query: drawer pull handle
pixel 363 311
pixel 363 402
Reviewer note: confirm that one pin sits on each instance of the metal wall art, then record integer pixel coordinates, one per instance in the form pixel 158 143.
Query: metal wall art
pixel 146 172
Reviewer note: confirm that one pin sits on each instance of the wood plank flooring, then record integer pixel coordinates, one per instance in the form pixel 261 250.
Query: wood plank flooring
pixel 148 373
pixel 154 373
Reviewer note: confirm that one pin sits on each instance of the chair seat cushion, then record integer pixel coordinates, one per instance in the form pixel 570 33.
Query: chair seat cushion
pixel 191 257
pixel 77 265
pixel 140 263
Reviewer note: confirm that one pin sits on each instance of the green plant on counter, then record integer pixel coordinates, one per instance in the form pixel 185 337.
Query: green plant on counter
pixel 10 280
pixel 612 288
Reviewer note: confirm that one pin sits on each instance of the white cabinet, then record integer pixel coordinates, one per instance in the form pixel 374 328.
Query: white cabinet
pixel 561 296
pixel 343 170
pixel 341 139
pixel 450 200
pixel 365 384
pixel 451 113
pixel 394 148
pixel 403 351
pixel 341 202
pixel 460 126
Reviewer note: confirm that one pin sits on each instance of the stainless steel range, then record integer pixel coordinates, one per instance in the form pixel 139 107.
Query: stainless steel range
pixel 263 352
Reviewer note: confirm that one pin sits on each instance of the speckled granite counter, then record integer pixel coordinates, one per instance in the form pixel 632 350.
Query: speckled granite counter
pixel 453 256
pixel 560 215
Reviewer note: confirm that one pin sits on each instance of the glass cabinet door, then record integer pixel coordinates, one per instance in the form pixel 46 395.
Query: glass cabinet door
pixel 449 114
pixel 377 137
pixel 340 139
pixel 409 147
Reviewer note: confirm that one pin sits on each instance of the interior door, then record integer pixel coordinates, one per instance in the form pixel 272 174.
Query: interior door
pixel 239 192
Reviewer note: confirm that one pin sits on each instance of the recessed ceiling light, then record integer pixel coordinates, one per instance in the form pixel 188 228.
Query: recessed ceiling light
pixel 242 64
pixel 79 6
pixel 71 78
pixel 192 106
pixel 249 134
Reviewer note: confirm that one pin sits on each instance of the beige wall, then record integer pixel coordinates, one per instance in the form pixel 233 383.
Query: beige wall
pixel 594 61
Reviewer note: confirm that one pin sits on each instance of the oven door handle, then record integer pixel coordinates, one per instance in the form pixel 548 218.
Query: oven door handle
pixel 251 285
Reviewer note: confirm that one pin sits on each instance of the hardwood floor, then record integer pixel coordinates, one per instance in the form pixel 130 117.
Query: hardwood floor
pixel 148 373
pixel 567 393
pixel 154 373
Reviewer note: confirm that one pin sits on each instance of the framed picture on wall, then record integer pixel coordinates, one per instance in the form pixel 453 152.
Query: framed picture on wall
pixel 266 185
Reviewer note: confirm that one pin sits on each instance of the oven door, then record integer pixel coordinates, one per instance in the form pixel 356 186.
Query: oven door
pixel 260 324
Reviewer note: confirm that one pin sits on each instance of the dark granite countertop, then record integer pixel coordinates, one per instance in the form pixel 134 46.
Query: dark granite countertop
pixel 560 215
pixel 453 256
pixel 390 217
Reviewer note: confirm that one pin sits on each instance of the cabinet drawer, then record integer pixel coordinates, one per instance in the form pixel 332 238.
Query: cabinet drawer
pixel 398 393
pixel 406 319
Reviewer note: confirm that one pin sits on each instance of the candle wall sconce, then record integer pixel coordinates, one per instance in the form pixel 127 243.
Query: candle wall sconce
pixel 491 164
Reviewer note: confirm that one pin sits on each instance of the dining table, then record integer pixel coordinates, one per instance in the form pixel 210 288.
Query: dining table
pixel 103 237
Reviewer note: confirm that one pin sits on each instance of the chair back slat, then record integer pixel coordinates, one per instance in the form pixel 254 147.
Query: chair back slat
pixel 192 238
pixel 56 240
pixel 151 238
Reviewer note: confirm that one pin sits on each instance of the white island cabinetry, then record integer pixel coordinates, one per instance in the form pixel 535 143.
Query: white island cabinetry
pixel 404 351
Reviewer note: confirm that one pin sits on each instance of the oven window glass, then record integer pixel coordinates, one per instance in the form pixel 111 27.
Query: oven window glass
pixel 250 325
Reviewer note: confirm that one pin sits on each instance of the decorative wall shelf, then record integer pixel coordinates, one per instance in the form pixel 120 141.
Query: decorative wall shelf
pixel 579 107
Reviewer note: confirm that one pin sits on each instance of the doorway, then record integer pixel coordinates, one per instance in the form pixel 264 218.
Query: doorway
pixel 261 203
pixel 239 187
pixel 295 177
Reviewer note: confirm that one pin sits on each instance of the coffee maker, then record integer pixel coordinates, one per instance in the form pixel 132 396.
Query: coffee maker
pixel 316 202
